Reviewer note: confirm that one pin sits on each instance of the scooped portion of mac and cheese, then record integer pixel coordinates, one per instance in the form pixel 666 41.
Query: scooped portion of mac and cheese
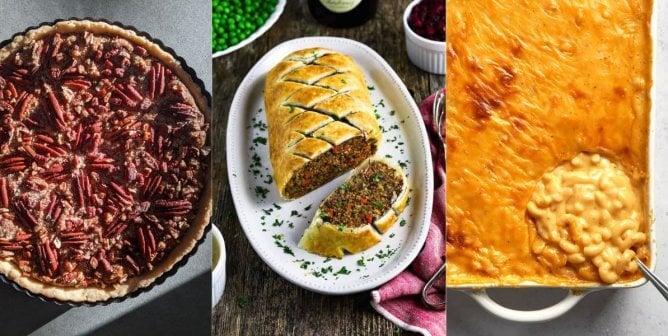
pixel 587 215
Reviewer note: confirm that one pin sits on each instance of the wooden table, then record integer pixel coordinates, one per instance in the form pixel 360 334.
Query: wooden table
pixel 257 301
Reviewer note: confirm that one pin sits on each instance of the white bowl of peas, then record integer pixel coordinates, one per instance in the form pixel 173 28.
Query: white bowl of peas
pixel 236 23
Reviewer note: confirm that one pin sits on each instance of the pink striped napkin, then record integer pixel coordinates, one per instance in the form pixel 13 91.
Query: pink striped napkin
pixel 399 299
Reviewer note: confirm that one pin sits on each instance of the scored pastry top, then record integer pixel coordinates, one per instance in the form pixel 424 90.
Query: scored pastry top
pixel 316 99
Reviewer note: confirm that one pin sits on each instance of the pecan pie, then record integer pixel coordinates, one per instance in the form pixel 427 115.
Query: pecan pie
pixel 104 161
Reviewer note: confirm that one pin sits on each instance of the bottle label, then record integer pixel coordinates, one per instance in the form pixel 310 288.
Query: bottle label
pixel 340 6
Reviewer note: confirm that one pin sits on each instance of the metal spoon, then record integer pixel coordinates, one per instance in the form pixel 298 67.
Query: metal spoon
pixel 660 285
pixel 438 118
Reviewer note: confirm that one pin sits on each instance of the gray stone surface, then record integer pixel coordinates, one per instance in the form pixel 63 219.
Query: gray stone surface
pixel 182 304
pixel 636 311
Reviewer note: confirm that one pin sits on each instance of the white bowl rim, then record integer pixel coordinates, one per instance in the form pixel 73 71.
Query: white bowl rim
pixel 218 237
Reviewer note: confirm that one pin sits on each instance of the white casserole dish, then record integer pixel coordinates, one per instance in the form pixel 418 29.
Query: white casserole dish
pixel 575 293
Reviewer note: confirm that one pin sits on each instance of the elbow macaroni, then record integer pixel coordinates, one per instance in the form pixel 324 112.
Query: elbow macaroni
pixel 587 215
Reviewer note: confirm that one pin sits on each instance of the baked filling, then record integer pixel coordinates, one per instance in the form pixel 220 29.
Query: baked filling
pixel 531 86
pixel 102 154
pixel 351 218
pixel 329 165
pixel 367 196
pixel 321 121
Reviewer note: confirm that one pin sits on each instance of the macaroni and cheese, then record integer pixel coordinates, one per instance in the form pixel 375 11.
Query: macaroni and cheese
pixel 587 215
pixel 531 85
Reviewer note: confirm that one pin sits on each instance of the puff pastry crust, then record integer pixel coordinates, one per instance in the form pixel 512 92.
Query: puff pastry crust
pixel 326 238
pixel 316 100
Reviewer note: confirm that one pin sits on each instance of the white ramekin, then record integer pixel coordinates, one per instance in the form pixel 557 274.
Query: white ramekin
pixel 426 54
pixel 218 270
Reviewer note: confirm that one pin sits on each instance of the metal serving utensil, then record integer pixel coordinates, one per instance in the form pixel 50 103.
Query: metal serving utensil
pixel 438 118
pixel 660 285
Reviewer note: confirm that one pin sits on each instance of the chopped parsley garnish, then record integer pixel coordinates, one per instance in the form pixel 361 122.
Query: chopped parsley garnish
pixel 277 206
pixel 288 250
pixel 260 140
pixel 341 227
pixel 257 160
pixel 384 255
pixel 261 192
pixel 377 177
pixel 323 215
pixel 392 112
pixel 278 238
pixel 343 270
pixel 294 213
pixel 277 222
pixel 402 222
pixel 328 259
pixel 343 186
pixel 308 207
pixel 343 81
pixel 260 125
pixel 269 180
pixel 392 235
pixel 370 88
pixel 305 264
pixel 360 261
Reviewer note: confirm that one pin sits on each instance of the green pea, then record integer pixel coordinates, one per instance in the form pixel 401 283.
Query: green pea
pixel 235 20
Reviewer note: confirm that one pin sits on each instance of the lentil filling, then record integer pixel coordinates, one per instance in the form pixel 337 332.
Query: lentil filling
pixel 364 198
pixel 329 165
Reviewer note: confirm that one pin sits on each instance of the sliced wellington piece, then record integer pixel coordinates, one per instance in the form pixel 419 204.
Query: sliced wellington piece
pixel 353 217
pixel 321 121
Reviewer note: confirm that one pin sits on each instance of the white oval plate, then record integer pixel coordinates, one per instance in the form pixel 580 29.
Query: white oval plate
pixel 274 226
pixel 263 29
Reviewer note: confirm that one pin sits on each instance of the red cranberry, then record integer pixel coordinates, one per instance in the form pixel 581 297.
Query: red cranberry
pixel 427 19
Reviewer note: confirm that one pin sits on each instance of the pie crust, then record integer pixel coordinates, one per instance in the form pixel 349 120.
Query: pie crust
pixel 198 218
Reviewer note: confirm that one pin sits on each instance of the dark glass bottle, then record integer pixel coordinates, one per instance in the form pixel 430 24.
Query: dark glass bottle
pixel 342 13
